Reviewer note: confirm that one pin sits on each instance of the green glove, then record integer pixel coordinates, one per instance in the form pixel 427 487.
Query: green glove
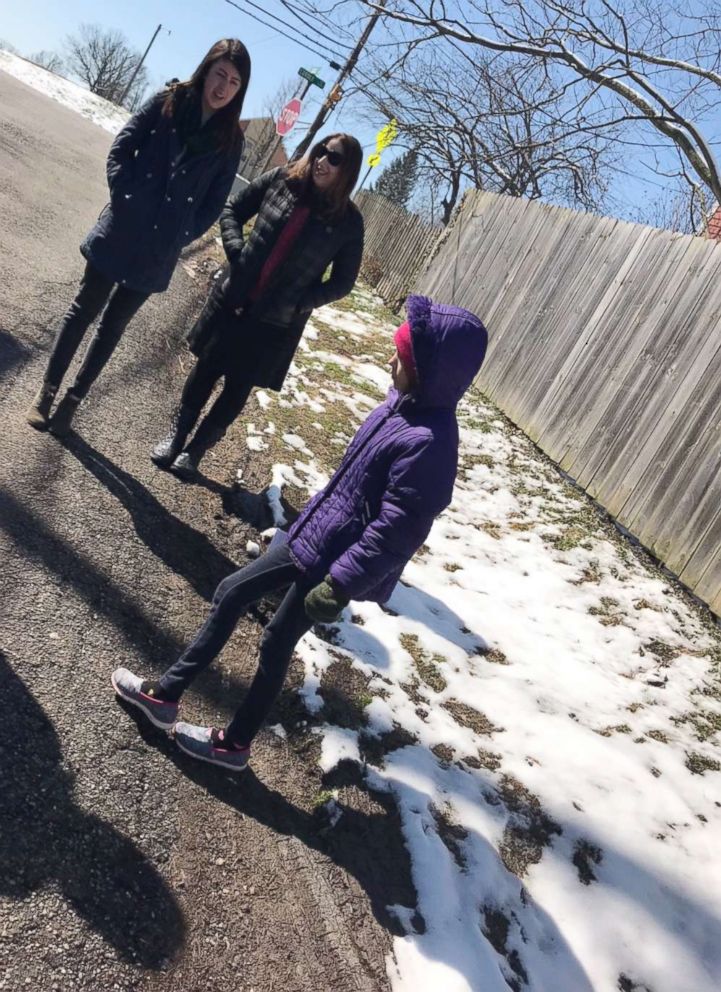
pixel 324 603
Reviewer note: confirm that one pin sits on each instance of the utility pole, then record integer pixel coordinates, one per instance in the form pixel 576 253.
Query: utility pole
pixel 334 95
pixel 137 67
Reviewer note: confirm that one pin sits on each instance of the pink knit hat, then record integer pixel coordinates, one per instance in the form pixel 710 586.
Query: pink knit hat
pixel 404 345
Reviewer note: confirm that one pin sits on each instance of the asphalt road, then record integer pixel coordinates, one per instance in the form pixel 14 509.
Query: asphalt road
pixel 122 864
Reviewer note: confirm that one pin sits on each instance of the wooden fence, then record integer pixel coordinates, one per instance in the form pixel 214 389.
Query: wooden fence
pixel 398 246
pixel 605 348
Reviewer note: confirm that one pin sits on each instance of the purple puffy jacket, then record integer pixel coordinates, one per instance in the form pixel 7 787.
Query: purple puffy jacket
pixel 398 472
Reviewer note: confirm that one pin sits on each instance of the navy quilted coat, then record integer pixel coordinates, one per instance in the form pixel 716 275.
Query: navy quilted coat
pixel 160 201
pixel 399 470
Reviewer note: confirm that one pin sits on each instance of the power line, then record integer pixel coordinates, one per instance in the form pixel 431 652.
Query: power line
pixel 285 34
pixel 319 18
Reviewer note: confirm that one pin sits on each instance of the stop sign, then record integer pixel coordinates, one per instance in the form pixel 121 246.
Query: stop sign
pixel 288 116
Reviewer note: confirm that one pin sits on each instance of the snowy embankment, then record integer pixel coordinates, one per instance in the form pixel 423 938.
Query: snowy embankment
pixel 72 95
pixel 543 702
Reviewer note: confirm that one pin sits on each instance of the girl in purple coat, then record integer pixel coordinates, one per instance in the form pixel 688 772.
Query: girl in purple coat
pixel 351 541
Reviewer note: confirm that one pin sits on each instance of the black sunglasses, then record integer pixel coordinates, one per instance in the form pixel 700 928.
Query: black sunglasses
pixel 334 158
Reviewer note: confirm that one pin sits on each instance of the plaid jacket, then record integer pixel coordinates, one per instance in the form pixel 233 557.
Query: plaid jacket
pixel 296 288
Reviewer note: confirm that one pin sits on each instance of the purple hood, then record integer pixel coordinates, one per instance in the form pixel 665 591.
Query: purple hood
pixel 449 345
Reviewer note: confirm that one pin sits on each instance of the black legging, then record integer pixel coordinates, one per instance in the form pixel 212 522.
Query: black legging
pixel 95 291
pixel 213 364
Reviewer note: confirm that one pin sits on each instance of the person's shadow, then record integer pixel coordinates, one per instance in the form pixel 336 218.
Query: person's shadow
pixel 185 550
pixel 368 845
pixel 45 838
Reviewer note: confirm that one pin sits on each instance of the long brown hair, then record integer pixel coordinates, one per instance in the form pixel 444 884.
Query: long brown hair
pixel 225 121
pixel 335 199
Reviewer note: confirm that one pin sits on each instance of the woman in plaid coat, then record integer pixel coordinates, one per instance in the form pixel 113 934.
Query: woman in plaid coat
pixel 254 317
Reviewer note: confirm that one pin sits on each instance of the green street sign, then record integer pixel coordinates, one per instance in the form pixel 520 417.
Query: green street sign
pixel 311 77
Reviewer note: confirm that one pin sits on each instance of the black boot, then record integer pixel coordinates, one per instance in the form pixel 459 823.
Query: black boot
pixel 38 415
pixel 206 437
pixel 165 453
pixel 61 420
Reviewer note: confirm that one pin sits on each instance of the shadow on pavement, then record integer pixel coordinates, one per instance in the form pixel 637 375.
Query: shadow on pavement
pixel 12 352
pixel 185 550
pixel 45 838
pixel 368 845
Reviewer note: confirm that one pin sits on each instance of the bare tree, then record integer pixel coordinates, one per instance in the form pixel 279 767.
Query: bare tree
pixel 104 61
pixel 628 62
pixel 48 60
pixel 7 46
pixel 495 124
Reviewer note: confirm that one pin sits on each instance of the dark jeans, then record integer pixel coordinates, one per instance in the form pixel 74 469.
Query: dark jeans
pixel 96 290
pixel 274 570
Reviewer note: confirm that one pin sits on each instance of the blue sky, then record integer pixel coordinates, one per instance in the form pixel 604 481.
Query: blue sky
pixel 189 28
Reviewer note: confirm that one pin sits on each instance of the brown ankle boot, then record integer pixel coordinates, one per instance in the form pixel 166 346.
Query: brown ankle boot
pixel 38 414
pixel 62 419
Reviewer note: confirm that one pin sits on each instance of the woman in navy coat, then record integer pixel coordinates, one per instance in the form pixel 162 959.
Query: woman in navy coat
pixel 169 171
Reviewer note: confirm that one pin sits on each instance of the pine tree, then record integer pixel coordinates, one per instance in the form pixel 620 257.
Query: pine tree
pixel 398 180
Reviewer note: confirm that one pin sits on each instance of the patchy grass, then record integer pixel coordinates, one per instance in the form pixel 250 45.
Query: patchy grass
pixel 590 573
pixel 666 653
pixel 608 612
pixel 529 829
pixel 495 926
pixel 469 717
pixel 444 753
pixel 585 855
pixel 427 667
pixel 470 462
pixel 452 834
pixel 619 728
pixel 344 691
pixel 483 759
pixel 374 749
pixel 699 764
pixel 323 797
pixel 705 723
pixel 492 529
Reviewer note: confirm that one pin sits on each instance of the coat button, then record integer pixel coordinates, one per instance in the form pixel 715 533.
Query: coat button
pixel 153 131
pixel 167 198
pixel 148 175
pixel 190 199
pixel 182 172
pixel 187 234
pixel 155 227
